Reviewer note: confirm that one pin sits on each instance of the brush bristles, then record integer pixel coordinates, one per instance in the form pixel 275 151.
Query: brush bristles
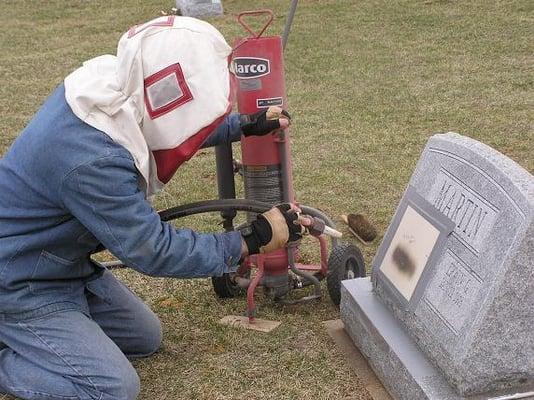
pixel 362 227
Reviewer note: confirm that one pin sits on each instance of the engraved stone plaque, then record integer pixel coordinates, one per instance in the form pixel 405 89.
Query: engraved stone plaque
pixel 455 270
pixel 409 251
pixel 411 247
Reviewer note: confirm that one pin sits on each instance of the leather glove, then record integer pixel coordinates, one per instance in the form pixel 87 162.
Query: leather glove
pixel 273 229
pixel 264 122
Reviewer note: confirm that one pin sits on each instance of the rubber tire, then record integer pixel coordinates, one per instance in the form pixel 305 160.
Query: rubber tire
pixel 225 288
pixel 343 257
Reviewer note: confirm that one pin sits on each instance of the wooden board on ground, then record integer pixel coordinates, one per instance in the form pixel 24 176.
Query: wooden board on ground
pixel 356 360
pixel 262 325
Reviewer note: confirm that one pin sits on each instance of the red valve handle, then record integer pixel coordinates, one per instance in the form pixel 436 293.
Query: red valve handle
pixel 255 13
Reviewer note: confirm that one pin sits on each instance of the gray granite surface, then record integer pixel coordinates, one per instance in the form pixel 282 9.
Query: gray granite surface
pixel 200 8
pixel 474 317
pixel 405 371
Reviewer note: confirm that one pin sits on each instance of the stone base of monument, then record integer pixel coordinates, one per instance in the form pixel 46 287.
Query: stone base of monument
pixel 355 359
pixel 398 362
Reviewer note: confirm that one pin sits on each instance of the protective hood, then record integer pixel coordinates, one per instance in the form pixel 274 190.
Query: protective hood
pixel 162 95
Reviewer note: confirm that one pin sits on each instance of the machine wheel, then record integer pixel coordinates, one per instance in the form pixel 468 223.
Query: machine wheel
pixel 225 287
pixel 345 262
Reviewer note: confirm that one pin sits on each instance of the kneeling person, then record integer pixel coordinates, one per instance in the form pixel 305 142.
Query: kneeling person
pixel 80 174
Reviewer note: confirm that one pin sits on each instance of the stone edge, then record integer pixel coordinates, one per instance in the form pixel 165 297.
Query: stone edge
pixel 405 371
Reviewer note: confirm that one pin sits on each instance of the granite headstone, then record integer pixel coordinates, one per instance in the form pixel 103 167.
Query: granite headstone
pixel 200 8
pixel 449 311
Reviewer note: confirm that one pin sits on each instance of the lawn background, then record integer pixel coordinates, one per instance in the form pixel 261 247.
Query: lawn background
pixel 368 82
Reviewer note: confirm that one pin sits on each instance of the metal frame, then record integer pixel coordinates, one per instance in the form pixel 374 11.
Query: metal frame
pixel 442 223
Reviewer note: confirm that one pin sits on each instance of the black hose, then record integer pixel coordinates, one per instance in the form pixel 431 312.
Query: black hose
pixel 214 205
pixel 303 274
pixel 313 212
pixel 205 206
pixel 237 205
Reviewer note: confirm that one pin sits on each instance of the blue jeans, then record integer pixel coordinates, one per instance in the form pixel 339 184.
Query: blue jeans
pixel 69 354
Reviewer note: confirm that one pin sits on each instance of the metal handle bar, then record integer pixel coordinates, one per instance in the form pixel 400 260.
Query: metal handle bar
pixel 240 19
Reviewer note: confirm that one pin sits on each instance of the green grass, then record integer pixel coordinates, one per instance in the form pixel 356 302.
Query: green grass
pixel 368 82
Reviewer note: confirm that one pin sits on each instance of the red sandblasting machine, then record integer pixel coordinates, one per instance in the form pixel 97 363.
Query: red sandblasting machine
pixel 258 64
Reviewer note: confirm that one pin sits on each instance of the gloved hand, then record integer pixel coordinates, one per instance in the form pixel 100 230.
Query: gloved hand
pixel 273 229
pixel 264 122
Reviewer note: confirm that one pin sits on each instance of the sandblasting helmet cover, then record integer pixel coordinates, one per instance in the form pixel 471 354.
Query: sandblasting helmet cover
pixel 162 95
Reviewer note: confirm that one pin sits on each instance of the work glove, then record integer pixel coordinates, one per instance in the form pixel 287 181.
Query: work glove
pixel 273 229
pixel 264 122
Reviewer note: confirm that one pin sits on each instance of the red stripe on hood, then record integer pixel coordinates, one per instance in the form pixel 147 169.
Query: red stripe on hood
pixel 168 161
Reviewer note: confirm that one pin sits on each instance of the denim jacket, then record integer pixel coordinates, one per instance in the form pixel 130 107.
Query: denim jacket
pixel 65 187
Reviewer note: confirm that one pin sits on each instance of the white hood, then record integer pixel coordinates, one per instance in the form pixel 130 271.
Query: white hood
pixel 162 95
